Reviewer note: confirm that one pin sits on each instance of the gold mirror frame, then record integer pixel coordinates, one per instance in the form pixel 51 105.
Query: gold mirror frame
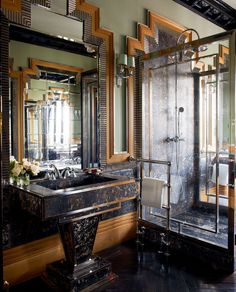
pixel 80 6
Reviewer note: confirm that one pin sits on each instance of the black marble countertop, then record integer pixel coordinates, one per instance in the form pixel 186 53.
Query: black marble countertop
pixel 50 199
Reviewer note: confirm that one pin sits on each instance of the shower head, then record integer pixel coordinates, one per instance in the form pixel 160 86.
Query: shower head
pixel 181 109
pixel 190 51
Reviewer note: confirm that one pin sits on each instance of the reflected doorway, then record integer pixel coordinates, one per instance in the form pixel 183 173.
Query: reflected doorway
pixel 90 120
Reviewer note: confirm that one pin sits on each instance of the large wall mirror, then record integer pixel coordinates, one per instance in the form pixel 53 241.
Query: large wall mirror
pixel 51 108
pixel 68 29
pixel 47 94
pixel 53 98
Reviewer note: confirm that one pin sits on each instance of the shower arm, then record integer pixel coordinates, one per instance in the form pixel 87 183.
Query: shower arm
pixel 183 32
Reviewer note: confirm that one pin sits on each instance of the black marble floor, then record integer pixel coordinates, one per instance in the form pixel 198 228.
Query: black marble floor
pixel 148 271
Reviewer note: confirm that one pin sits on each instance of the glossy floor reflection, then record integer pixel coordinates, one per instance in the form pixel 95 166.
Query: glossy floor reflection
pixel 148 271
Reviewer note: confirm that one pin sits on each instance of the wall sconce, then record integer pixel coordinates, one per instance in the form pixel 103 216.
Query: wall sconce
pixel 125 67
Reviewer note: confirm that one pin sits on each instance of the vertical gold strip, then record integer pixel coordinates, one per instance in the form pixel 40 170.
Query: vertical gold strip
pixel 21 118
pixel 150 122
pixel 11 5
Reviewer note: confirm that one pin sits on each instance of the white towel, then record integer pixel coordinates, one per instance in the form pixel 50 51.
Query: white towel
pixel 223 174
pixel 154 192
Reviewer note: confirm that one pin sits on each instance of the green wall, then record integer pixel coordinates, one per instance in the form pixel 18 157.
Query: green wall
pixel 122 16
pixel 21 52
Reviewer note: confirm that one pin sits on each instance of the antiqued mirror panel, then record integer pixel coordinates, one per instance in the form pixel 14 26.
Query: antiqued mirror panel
pixel 52 112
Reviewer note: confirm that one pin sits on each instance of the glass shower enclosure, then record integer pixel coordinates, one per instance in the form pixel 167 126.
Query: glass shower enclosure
pixel 188 120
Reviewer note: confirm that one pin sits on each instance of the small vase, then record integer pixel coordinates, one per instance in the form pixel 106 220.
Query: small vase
pixel 15 180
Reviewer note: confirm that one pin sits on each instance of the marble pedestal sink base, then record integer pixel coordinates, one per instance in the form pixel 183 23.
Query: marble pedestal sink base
pixel 78 204
pixel 92 275
pixel 81 271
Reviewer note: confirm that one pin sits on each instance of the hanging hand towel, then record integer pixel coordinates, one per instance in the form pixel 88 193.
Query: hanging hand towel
pixel 153 192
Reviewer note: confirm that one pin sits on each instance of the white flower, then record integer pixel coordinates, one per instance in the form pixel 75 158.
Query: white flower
pixel 34 169
pixel 21 168
pixel 26 164
pixel 12 158
pixel 17 169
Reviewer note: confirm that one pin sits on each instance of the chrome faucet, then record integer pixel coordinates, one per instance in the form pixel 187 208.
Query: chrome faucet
pixel 72 173
pixel 55 170
pixel 66 172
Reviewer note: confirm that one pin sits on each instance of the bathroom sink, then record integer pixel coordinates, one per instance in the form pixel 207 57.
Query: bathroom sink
pixel 62 197
pixel 82 180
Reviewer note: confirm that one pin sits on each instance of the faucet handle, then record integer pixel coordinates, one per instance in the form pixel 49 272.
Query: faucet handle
pixel 50 175
pixel 55 171
pixel 53 176
pixel 72 173
pixel 47 175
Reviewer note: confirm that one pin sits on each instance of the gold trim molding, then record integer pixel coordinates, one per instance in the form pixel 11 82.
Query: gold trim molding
pixel 18 76
pixel 11 5
pixel 154 19
pixel 35 63
pixel 223 51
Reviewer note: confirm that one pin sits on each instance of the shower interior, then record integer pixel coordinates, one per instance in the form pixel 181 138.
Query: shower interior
pixel 187 114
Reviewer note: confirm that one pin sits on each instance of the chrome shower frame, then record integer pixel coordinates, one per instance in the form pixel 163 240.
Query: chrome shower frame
pixel 231 36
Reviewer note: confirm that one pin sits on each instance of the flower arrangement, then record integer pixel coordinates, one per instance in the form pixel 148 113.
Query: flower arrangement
pixel 20 171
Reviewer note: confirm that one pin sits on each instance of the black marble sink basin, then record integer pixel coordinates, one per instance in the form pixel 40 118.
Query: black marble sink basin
pixel 82 180
pixel 68 197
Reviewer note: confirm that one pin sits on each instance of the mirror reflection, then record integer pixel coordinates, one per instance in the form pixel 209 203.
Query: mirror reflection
pixel 49 97
pixel 52 111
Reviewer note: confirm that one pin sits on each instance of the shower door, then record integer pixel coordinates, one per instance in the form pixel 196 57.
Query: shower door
pixel 188 120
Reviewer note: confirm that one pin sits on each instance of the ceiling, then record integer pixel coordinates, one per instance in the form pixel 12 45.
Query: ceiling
pixel 231 3
pixel 220 12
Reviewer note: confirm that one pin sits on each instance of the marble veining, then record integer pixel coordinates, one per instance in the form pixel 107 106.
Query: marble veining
pixel 78 244
pixel 21 226
pixel 47 203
